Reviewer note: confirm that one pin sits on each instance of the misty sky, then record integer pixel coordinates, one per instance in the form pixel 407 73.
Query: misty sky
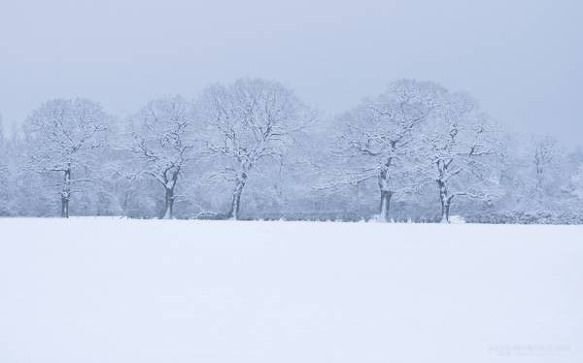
pixel 521 58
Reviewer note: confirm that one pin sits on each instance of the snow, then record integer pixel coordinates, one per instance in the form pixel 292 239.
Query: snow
pixel 118 290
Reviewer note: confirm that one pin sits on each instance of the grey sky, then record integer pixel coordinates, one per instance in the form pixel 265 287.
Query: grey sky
pixel 521 58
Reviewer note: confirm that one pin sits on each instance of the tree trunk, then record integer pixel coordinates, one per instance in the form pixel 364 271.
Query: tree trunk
pixel 443 199
pixel 169 204
pixel 445 212
pixel 66 194
pixel 446 200
pixel 385 204
pixel 236 200
pixel 64 207
pixel 386 193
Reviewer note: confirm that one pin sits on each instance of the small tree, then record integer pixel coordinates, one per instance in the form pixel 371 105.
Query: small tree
pixel 544 155
pixel 543 177
pixel 249 122
pixel 163 143
pixel 64 136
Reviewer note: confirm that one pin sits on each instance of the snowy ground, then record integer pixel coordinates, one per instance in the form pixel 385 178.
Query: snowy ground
pixel 124 291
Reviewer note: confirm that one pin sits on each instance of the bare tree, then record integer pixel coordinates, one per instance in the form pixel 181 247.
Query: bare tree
pixel 63 136
pixel 250 121
pixel 163 143
pixel 545 150
pixel 460 151
pixel 381 136
pixel 544 177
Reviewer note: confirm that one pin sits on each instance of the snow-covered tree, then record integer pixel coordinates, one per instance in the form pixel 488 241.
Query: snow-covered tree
pixel 250 122
pixel 64 136
pixel 381 136
pixel 460 151
pixel 164 143
pixel 544 158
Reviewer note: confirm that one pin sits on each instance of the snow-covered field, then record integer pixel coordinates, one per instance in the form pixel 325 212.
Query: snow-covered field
pixel 124 291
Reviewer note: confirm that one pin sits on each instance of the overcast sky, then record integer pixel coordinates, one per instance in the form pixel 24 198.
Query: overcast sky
pixel 521 58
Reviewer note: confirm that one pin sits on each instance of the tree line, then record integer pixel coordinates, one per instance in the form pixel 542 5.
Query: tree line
pixel 253 150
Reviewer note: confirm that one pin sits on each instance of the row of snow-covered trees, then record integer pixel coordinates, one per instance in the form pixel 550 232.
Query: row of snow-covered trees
pixel 253 149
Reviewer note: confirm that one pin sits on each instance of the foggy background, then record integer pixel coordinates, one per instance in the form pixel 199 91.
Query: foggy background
pixel 522 59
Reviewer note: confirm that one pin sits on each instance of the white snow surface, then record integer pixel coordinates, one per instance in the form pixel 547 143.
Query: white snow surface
pixel 124 291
